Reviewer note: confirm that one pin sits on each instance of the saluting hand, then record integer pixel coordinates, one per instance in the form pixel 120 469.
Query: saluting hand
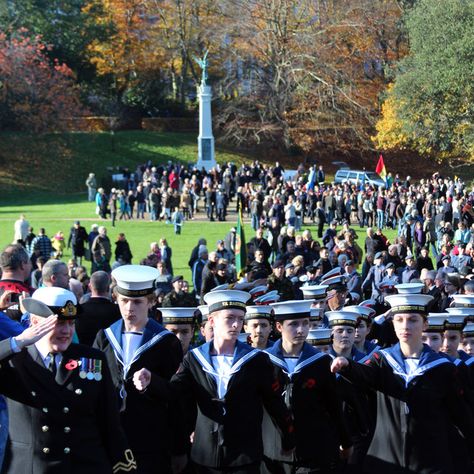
pixel 141 379
pixel 338 364
pixel 36 331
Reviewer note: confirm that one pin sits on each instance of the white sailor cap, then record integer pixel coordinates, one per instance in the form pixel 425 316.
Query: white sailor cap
pixel 258 291
pixel 224 286
pixel 204 310
pixel 368 303
pixel 409 288
pixel 319 337
pixel 316 314
pixel 178 315
pixel 332 273
pixel 46 301
pixel 294 309
pixel 364 312
pixel 267 298
pixel 135 280
pixel 314 292
pixel 467 311
pixel 342 318
pixel 463 301
pixel 409 303
pixel 468 330
pixel 337 283
pixel 259 312
pixel 436 322
pixel 226 299
pixel 455 321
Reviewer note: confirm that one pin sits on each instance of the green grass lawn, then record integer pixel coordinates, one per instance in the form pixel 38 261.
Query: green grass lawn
pixel 140 234
pixel 45 166
pixel 45 181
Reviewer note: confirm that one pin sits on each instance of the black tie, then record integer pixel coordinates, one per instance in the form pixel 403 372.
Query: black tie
pixel 52 363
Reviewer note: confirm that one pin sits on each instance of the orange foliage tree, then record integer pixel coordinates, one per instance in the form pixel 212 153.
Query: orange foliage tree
pixel 36 94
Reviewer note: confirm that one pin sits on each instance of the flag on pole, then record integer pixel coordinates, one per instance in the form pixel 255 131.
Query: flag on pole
pixel 380 169
pixel 240 247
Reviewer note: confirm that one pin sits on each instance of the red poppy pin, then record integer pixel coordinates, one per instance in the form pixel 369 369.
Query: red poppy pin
pixel 71 364
pixel 310 383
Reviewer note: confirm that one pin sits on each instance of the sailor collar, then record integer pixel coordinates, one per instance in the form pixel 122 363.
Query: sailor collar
pixel 428 360
pixel 308 355
pixel 152 333
pixel 242 354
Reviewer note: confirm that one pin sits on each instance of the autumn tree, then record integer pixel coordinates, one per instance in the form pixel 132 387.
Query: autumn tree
pixel 430 107
pixel 314 68
pixel 36 94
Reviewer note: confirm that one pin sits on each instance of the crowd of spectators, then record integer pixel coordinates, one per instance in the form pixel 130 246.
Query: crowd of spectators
pixel 432 218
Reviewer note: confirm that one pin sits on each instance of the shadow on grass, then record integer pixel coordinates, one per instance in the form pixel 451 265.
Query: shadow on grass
pixel 25 197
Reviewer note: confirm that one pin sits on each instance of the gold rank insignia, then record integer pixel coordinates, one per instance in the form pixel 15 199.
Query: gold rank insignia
pixel 128 466
pixel 69 310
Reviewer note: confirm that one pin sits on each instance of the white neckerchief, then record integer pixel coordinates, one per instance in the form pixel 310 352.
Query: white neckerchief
pixel 411 366
pixel 130 343
pixel 223 367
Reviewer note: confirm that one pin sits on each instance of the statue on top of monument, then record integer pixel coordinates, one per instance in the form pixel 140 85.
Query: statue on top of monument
pixel 203 65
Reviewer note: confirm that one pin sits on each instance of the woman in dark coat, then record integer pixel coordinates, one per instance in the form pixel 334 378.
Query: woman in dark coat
pixel 122 250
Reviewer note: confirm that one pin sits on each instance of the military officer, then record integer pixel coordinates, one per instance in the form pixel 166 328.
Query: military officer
pixel 60 395
pixel 143 356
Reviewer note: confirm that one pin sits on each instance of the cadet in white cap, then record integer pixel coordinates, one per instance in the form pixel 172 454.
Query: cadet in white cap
pixel 180 321
pixel 414 422
pixel 309 391
pixel 453 333
pixel 433 332
pixel 356 402
pixel 343 325
pixel 363 328
pixel 143 356
pixel 230 382
pixel 317 294
pixel 59 420
pixel 205 328
pixel 258 324
pixel 320 338
pixel 468 338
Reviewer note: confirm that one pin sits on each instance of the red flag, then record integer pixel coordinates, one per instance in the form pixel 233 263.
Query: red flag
pixel 380 169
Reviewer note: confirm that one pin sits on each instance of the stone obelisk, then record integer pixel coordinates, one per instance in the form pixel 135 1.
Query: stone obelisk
pixel 206 154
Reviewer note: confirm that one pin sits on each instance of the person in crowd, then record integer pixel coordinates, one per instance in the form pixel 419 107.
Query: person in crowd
pixel 143 356
pixel 230 383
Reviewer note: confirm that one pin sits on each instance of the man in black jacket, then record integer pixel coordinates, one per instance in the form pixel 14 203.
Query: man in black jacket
pixel 98 312
pixel 230 382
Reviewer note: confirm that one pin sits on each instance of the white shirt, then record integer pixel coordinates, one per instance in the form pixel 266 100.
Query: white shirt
pixel 411 365
pixel 130 343
pixel 222 365
pixel 291 363
pixel 47 357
